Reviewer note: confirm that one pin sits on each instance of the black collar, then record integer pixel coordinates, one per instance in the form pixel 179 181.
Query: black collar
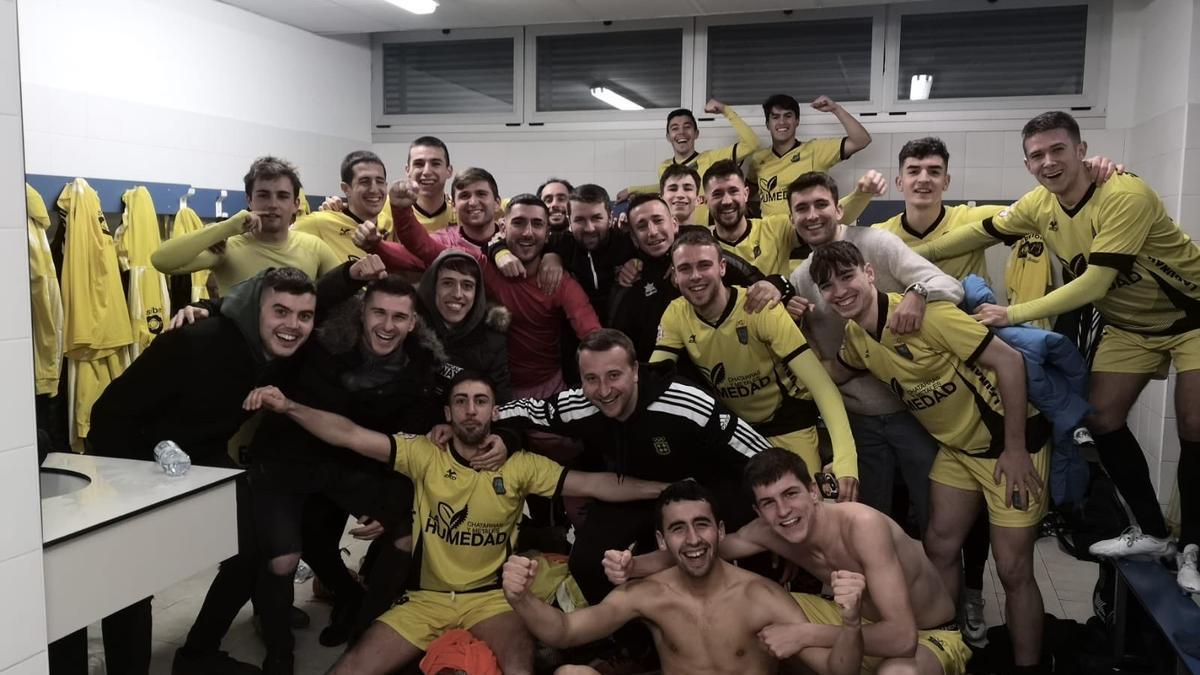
pixel 691 158
pixel 881 318
pixel 735 242
pixel 436 213
pixel 353 216
pixel 1087 196
pixel 795 144
pixel 726 312
pixel 921 235
pixel 457 457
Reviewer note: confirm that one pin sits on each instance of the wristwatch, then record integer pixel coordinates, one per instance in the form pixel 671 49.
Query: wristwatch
pixel 919 289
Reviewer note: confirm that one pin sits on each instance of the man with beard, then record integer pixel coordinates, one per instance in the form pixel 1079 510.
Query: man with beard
pixel 174 391
pixel 556 193
pixel 252 240
pixel 705 614
pixel 758 363
pixel 908 615
pixel 466 522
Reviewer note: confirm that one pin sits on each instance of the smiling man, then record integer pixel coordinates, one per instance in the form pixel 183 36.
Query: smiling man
pixel 429 169
pixel 364 182
pixel 706 615
pixel 251 240
pixel 556 192
pixel 679 187
pixel 907 614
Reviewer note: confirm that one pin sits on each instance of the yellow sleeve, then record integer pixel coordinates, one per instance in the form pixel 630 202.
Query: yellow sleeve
pixel 950 329
pixel 669 345
pixel 853 205
pixel 1124 222
pixel 747 139
pixel 983 212
pixel 190 253
pixel 412 454
pixel 1009 225
pixel 826 152
pixel 326 258
pixel 776 329
pixel 535 474
pixel 782 232
pixel 1088 287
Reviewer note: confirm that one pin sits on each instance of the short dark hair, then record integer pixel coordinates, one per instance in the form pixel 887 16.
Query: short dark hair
pixel 698 236
pixel 643 198
pixel 1049 121
pixel 551 181
pixel 429 142
pixel 270 168
pixel 467 375
pixel 723 169
pixel 833 257
pixel 359 157
pixel 780 101
pixel 810 180
pixel 605 339
pixel 921 148
pixel 590 193
pixel 461 264
pixel 288 280
pixel 392 284
pixel 475 174
pixel 678 171
pixel 526 199
pixel 682 491
pixel 681 112
pixel 772 464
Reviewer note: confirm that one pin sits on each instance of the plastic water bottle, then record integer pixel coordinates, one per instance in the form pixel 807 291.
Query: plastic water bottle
pixel 173 460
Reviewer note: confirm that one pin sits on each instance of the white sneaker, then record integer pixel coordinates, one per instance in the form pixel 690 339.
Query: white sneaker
pixel 1189 576
pixel 1133 543
pixel 973 627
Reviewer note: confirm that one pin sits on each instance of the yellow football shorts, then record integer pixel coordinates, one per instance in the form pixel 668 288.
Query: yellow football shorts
pixel 421 616
pixel 946 645
pixel 975 474
pixel 1121 351
pixel 803 442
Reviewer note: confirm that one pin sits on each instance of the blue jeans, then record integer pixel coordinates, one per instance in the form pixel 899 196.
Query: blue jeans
pixel 884 443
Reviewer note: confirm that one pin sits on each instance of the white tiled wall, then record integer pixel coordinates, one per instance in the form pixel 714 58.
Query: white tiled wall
pixel 22 615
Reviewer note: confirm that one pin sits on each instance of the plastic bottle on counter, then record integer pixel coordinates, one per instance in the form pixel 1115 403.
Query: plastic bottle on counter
pixel 173 460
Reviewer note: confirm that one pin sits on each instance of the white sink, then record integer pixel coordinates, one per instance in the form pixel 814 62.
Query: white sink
pixel 58 482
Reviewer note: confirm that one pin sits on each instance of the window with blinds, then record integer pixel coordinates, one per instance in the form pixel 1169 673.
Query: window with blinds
pixel 644 66
pixel 806 59
pixel 448 76
pixel 1018 52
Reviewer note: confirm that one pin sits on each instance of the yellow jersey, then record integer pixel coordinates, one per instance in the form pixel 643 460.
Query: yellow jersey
pixel 935 374
pixel 767 244
pixel 45 298
pixel 437 220
pixel 951 217
pixel 774 172
pixel 1123 225
pixel 465 521
pixel 336 229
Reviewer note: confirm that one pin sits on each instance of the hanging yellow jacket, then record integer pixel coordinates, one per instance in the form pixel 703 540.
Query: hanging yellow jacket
pixel 304 209
pixel 186 222
pixel 1028 275
pixel 137 238
pixel 96 330
pixel 45 298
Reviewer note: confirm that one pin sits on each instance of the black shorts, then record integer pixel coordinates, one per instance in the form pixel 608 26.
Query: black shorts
pixel 279 490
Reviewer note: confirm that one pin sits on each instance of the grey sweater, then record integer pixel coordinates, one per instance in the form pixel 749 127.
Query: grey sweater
pixel 896 268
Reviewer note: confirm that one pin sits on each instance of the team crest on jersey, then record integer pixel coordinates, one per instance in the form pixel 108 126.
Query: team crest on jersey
pixel 768 184
pixel 345 231
pixel 902 350
pixel 450 474
pixel 661 446
pixel 743 334
pixel 691 339
pixel 725 419
pixel 757 250
pixel 498 485
pixel 1053 225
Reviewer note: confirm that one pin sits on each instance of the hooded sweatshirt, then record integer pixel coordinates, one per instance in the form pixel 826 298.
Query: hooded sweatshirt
pixel 478 343
pixel 189 384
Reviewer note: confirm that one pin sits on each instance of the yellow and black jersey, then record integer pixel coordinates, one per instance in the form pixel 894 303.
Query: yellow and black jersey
pixel 745 358
pixel 1123 225
pixel 436 220
pixel 767 244
pixel 950 218
pixel 935 374
pixel 336 229
pixel 464 521
pixel 774 172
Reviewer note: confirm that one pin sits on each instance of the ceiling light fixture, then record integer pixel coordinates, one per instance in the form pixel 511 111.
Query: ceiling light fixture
pixel 416 6
pixel 614 99
pixel 919 87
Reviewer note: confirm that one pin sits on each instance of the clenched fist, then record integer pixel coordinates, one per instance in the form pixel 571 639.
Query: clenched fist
pixel 366 236
pixel 618 566
pixel 519 573
pixel 403 194
pixel 368 268
pixel 847 593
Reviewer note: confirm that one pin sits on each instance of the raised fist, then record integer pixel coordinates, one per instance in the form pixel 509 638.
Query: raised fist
pixel 403 194
pixel 519 573
pixel 847 593
pixel 366 236
pixel 618 566
pixel 368 268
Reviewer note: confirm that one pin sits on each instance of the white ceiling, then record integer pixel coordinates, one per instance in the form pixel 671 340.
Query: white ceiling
pixel 372 16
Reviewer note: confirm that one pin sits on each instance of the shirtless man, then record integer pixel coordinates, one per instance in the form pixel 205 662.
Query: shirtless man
pixel 706 615
pixel 899 636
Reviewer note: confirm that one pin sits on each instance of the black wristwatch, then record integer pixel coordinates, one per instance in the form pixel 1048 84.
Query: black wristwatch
pixel 919 289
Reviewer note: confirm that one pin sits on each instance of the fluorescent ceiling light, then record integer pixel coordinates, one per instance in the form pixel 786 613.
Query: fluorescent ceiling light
pixel 416 6
pixel 614 99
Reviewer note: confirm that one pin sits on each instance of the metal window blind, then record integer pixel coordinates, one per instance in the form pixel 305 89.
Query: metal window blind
pixel 749 62
pixel 1017 52
pixel 644 66
pixel 465 76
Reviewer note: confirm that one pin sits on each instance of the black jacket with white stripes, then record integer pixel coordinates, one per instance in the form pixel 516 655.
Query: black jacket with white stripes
pixel 676 431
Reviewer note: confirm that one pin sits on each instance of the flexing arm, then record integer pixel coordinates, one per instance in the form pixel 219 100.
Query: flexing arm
pixel 747 141
pixel 556 628
pixel 844 652
pixel 189 253
pixel 857 136
pixel 333 429
pixel 610 487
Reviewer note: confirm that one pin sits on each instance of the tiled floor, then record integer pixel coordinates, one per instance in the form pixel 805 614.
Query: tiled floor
pixel 1066 586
